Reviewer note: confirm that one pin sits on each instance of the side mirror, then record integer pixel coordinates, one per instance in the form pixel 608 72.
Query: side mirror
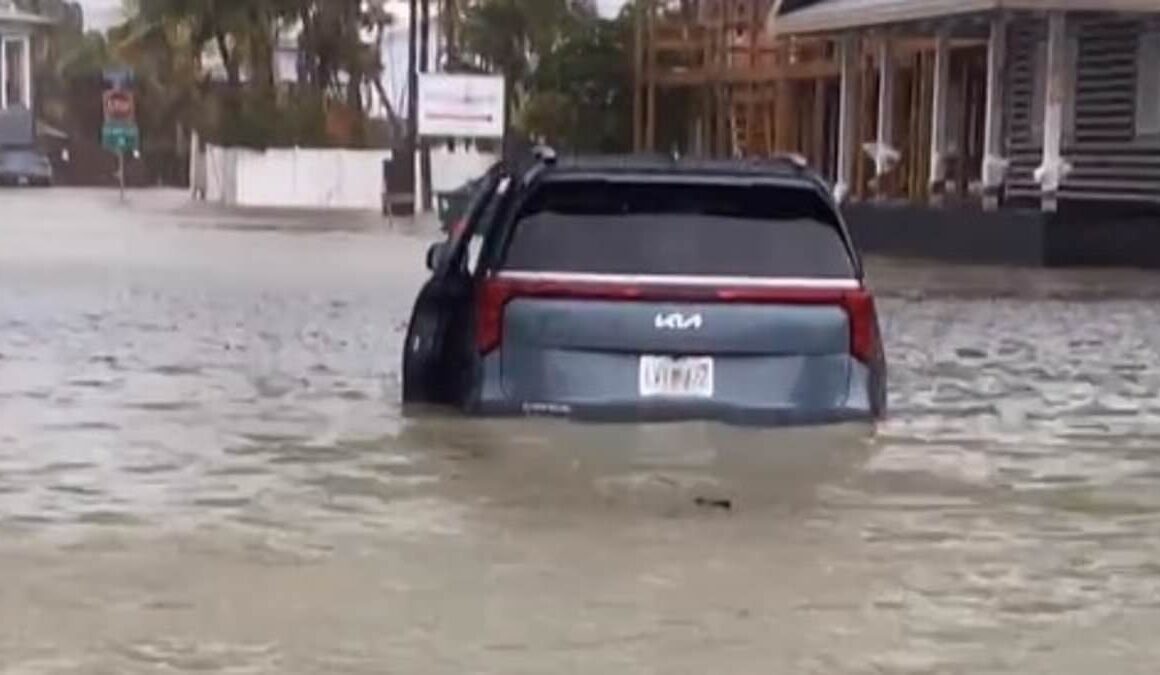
pixel 840 193
pixel 437 254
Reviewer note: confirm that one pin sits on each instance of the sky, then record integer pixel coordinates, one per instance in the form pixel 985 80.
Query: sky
pixel 100 14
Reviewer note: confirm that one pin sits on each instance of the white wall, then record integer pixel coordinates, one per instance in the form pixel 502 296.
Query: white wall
pixel 317 178
pixel 450 169
pixel 295 178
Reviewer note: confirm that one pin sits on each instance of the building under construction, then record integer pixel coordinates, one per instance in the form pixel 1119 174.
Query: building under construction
pixel 722 54
pixel 1044 105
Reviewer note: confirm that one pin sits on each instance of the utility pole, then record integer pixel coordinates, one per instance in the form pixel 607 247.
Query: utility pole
pixel 412 94
pixel 450 20
pixel 425 66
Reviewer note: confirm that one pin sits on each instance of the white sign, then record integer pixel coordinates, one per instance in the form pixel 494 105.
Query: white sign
pixel 461 106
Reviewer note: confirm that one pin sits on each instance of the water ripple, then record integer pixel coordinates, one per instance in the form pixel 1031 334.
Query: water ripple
pixel 203 468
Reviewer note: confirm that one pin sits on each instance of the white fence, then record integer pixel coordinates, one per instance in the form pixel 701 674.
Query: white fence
pixel 452 168
pixel 316 178
pixel 290 178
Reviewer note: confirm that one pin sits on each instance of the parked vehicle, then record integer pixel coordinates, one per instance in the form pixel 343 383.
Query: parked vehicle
pixel 452 205
pixel 25 167
pixel 649 289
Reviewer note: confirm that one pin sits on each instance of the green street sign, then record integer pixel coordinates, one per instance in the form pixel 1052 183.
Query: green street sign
pixel 120 138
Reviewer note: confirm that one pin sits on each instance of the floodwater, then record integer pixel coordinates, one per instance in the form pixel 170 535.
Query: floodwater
pixel 203 468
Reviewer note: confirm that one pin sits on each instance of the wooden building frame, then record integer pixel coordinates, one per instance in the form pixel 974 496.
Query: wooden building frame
pixel 998 101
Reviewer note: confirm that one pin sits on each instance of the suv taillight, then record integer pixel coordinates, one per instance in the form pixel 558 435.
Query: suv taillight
pixel 859 306
pixel 494 295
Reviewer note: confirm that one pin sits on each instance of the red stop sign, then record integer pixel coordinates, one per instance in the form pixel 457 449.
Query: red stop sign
pixel 120 106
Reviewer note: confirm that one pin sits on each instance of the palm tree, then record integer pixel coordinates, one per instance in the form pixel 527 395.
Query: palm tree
pixel 510 36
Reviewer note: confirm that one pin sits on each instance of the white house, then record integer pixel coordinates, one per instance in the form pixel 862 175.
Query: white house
pixel 394 49
pixel 16 34
pixel 330 178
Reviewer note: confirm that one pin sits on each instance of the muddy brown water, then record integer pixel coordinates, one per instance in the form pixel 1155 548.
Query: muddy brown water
pixel 203 468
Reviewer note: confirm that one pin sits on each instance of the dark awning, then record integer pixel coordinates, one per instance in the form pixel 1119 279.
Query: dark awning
pixel 842 15
pixel 16 17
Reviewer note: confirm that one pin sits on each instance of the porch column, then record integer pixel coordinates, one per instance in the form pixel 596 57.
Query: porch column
pixel 1053 169
pixel 27 76
pixel 850 52
pixel 885 154
pixel 938 122
pixel 3 73
pixel 994 165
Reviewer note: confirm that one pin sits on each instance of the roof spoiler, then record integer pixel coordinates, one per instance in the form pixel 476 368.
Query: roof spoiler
pixel 545 154
pixel 798 161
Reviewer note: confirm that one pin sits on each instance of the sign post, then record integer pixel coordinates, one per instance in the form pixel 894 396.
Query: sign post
pixel 120 134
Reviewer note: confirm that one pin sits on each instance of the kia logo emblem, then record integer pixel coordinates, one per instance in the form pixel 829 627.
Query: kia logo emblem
pixel 678 321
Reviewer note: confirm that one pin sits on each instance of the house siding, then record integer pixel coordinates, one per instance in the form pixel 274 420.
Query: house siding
pixel 1110 160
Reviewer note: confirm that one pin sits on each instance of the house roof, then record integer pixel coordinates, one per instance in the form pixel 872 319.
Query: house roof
pixel 838 15
pixel 11 16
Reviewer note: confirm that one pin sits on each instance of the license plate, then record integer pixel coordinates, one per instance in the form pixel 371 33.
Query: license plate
pixel 22 181
pixel 667 377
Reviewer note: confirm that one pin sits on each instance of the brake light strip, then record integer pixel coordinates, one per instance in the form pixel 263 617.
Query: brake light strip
pixel 682 280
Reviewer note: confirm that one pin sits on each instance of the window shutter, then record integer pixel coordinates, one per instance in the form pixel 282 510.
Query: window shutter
pixel 1148 85
pixel 1070 86
pixel 1038 89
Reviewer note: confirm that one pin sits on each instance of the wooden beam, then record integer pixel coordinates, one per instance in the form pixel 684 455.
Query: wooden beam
pixel 768 119
pixel 705 124
pixel 638 80
pixel 940 115
pixel 650 124
pixel 763 75
pixel 818 121
pixel 993 164
pixel 866 104
pixel 783 115
pixel 850 50
pixel 754 121
pixel 885 135
pixel 720 63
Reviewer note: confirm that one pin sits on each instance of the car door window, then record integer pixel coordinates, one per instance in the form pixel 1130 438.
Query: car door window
pixel 479 229
pixel 459 236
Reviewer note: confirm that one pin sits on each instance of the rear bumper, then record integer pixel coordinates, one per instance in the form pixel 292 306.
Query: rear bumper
pixel 617 413
pixel 861 400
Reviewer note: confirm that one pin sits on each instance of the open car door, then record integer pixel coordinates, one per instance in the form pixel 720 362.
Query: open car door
pixel 436 354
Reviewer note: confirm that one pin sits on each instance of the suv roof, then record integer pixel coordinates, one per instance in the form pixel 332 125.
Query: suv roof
pixel 783 167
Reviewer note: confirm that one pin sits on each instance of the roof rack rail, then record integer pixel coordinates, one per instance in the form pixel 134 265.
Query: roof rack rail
pixel 781 159
pixel 797 160
pixel 545 154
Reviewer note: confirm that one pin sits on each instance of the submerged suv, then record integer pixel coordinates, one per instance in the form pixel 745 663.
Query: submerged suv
pixel 649 289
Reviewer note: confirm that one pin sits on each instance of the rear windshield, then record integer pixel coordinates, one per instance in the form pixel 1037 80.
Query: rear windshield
pixel 603 227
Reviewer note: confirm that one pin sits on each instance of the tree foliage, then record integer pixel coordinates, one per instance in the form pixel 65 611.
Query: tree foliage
pixel 568 70
pixel 335 61
pixel 587 80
